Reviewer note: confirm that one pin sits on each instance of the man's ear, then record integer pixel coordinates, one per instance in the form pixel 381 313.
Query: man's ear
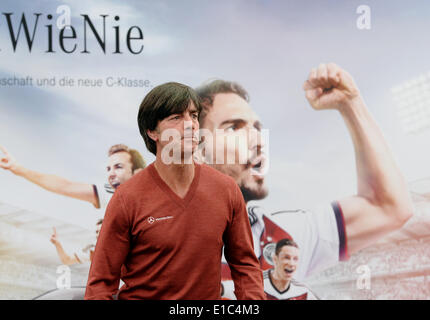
pixel 152 134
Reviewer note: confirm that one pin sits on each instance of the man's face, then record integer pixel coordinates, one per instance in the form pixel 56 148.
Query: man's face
pixel 234 117
pixel 286 262
pixel 180 132
pixel 119 168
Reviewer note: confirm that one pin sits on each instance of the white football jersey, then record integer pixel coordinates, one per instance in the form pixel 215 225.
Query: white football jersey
pixel 295 290
pixel 319 233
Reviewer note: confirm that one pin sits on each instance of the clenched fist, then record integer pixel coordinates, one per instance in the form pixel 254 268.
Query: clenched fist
pixel 330 87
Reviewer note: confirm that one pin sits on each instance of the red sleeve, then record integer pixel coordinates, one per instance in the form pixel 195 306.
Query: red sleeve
pixel 111 250
pixel 239 253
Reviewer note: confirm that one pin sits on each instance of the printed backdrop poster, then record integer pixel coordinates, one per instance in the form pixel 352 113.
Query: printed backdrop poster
pixel 73 74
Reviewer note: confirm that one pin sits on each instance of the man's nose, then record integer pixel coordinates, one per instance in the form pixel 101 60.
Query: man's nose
pixel 189 125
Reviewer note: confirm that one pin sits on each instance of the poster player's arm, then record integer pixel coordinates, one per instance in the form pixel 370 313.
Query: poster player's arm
pixel 64 257
pixel 382 203
pixel 50 182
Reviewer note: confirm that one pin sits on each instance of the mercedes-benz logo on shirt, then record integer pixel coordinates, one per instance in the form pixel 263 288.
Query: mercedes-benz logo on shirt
pixel 151 220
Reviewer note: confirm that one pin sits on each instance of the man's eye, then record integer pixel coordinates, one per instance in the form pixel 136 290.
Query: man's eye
pixel 175 118
pixel 232 128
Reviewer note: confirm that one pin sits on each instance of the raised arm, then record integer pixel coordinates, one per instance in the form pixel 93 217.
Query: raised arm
pixel 59 185
pixel 382 203
pixel 64 257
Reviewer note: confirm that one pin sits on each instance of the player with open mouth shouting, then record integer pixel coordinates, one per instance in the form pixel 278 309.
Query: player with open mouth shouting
pixel 331 232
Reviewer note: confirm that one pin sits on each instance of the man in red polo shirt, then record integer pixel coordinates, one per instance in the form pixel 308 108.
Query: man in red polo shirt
pixel 164 231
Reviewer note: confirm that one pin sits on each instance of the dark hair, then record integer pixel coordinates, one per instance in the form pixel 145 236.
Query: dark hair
pixel 136 159
pixel 161 102
pixel 207 92
pixel 283 243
